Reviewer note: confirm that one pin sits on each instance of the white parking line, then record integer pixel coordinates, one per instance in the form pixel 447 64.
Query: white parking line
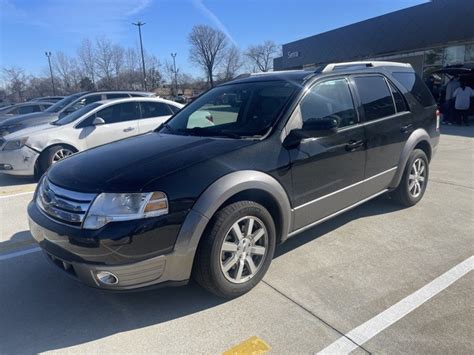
pixel 19 253
pixel 372 327
pixel 18 194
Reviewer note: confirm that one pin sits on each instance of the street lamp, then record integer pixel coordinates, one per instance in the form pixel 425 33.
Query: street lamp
pixel 175 73
pixel 139 25
pixel 48 54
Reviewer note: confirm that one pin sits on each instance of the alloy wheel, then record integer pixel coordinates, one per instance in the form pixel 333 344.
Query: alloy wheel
pixel 417 177
pixel 244 249
pixel 61 154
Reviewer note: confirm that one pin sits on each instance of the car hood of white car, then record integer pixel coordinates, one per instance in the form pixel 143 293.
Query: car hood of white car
pixel 32 131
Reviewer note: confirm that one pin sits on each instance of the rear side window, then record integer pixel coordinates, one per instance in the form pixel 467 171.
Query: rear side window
pixel 28 109
pixel 116 96
pixel 174 109
pixel 398 98
pixel 375 96
pixel 416 87
pixel 154 109
pixel 120 113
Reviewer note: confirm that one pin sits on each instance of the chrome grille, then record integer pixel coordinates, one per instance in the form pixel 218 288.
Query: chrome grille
pixel 64 205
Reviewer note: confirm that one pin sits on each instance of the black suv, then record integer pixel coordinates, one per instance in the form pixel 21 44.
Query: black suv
pixel 211 192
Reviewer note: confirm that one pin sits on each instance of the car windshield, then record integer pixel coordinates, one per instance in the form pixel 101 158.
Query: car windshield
pixel 233 110
pixel 58 106
pixel 76 114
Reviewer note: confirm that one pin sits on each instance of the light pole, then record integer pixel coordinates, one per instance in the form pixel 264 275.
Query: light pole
pixel 139 25
pixel 175 73
pixel 48 54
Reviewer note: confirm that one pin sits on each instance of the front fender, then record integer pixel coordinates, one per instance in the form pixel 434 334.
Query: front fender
pixel 417 136
pixel 210 201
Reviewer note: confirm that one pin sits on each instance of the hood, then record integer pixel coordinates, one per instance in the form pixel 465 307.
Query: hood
pixel 129 164
pixel 31 119
pixel 30 131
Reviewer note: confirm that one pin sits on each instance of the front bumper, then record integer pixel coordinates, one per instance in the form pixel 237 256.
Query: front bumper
pixel 18 162
pixel 137 253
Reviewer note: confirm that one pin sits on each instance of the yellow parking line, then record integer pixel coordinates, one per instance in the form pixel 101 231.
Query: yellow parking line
pixel 253 345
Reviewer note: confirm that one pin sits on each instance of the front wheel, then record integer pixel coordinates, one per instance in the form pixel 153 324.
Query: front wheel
pixel 237 249
pixel 413 184
pixel 51 156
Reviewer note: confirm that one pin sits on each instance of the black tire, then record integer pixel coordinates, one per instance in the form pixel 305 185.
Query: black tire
pixel 402 193
pixel 45 160
pixel 207 265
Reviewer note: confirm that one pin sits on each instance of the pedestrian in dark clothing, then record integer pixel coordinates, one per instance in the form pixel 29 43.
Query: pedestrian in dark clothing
pixel 462 96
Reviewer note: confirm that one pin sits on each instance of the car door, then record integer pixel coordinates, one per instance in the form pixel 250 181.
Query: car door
pixel 326 171
pixel 153 114
pixel 120 121
pixel 387 126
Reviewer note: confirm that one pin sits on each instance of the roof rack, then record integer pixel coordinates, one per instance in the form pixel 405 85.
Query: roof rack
pixel 362 65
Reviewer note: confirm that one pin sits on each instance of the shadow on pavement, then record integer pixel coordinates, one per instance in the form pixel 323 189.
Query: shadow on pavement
pixel 460 131
pixel 42 309
pixel 8 180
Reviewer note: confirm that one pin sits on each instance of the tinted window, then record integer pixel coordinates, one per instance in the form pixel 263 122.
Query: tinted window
pixel 28 109
pixel 85 101
pixel 154 109
pixel 415 85
pixel 330 99
pixel 58 106
pixel 398 98
pixel 120 113
pixel 117 96
pixel 77 114
pixel 375 97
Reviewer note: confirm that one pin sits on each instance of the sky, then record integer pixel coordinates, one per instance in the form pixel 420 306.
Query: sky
pixel 30 27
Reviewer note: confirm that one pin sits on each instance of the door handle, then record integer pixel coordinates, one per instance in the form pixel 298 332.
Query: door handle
pixel 406 129
pixel 353 145
pixel 128 129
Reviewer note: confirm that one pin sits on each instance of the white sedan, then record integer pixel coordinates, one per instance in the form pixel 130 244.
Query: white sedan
pixel 31 151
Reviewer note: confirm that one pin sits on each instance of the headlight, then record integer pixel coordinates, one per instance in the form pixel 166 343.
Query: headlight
pixel 108 207
pixel 15 144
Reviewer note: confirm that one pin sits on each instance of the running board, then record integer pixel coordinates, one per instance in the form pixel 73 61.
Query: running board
pixel 308 226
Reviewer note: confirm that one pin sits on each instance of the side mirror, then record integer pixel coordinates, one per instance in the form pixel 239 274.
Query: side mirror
pixel 98 121
pixel 312 128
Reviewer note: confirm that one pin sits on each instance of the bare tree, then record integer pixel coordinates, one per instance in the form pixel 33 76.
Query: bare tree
pixel 16 83
pixel 207 49
pixel 262 55
pixel 66 68
pixel 231 64
pixel 104 61
pixel 153 74
pixel 87 60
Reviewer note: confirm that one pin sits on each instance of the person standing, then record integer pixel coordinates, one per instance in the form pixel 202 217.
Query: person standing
pixel 462 96
pixel 449 100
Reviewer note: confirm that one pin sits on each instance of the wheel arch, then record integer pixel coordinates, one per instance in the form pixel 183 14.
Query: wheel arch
pixel 45 150
pixel 419 139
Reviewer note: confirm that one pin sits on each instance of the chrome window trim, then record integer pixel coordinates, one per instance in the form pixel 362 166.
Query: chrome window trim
pixel 341 190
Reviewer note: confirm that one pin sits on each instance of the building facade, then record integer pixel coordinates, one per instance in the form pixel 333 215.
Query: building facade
pixel 428 36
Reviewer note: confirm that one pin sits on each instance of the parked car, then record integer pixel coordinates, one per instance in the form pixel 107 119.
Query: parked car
pixel 32 150
pixel 64 107
pixel 296 149
pixel 52 99
pixel 23 109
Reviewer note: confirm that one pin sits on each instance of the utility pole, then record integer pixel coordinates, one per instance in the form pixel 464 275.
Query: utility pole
pixel 139 25
pixel 175 74
pixel 48 54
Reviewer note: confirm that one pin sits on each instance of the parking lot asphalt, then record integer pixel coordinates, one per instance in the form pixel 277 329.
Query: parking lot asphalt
pixel 377 279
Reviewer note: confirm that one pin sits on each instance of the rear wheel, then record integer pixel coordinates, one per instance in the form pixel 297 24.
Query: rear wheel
pixel 414 180
pixel 50 156
pixel 237 249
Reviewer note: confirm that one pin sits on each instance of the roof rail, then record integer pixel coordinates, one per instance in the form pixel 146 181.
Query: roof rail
pixel 362 65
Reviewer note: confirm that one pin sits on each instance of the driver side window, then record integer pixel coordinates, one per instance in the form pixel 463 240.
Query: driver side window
pixel 329 99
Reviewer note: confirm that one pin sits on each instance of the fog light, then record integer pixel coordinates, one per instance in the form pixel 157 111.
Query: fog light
pixel 107 278
pixel 6 167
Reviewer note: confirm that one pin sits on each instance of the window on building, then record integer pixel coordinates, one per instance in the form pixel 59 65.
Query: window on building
pixel 454 55
pixel 469 53
pixel 375 96
pixel 329 99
